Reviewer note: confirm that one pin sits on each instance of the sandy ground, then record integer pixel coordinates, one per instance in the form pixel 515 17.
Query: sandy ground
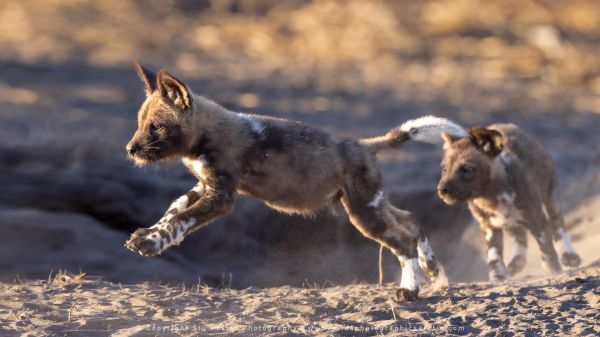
pixel 69 97
pixel 564 305
pixel 69 198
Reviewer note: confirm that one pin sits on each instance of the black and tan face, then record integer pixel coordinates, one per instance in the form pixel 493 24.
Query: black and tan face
pixel 467 165
pixel 159 134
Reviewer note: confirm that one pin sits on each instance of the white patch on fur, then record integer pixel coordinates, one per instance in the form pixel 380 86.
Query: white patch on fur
pixel 175 238
pixel 499 270
pixel 545 211
pixel 179 204
pixel 505 213
pixel 155 237
pixel 376 200
pixel 161 222
pixel 199 188
pixel 517 249
pixel 180 230
pixel 410 273
pixel 197 165
pixel 488 235
pixel 493 255
pixel 429 129
pixel 255 125
pixel 426 253
pixel 425 250
pixel 567 246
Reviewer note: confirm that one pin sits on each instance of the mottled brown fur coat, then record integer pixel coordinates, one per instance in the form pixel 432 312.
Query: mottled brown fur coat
pixel 508 180
pixel 292 167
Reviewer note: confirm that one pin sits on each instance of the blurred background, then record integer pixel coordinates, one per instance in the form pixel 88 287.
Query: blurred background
pixel 69 96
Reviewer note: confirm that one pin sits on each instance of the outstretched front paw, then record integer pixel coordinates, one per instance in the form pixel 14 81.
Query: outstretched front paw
pixel 145 241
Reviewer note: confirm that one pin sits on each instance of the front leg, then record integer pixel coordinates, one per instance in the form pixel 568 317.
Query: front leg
pixel 148 241
pixel 493 239
pixel 184 216
pixel 518 257
pixel 181 203
pixel 494 243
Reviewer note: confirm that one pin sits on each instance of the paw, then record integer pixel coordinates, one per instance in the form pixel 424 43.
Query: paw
pixel 515 265
pixel 570 259
pixel 144 241
pixel 430 267
pixel 441 280
pixel 552 266
pixel 496 276
pixel 497 270
pixel 406 295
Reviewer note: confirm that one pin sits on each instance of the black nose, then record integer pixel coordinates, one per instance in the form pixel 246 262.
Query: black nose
pixel 132 148
pixel 443 190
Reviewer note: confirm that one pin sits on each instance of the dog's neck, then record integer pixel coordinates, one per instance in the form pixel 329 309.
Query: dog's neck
pixel 209 119
pixel 203 106
pixel 500 181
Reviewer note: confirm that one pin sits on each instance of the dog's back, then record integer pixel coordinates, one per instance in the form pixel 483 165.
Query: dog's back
pixel 529 156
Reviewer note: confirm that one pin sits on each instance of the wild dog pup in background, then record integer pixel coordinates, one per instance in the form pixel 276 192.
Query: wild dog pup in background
pixel 508 180
pixel 292 167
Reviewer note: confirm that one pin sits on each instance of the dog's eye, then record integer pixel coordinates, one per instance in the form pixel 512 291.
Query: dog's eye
pixel 156 127
pixel 467 168
pixel 444 169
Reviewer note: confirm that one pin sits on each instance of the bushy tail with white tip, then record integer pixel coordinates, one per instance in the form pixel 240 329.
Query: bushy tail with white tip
pixel 426 129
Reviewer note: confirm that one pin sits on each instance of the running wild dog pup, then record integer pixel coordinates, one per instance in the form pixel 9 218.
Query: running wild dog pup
pixel 292 167
pixel 508 180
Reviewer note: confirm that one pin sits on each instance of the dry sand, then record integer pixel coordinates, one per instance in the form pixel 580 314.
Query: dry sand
pixel 563 305
pixel 69 201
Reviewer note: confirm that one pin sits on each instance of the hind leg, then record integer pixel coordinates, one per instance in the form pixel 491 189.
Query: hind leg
pixel 427 260
pixel 568 255
pixel 562 242
pixel 372 217
pixel 549 257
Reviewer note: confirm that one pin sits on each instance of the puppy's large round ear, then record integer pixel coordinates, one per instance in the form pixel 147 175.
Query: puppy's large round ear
pixel 488 141
pixel 147 76
pixel 173 91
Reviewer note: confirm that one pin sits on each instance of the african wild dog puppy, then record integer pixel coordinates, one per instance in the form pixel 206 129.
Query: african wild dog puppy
pixel 294 168
pixel 508 180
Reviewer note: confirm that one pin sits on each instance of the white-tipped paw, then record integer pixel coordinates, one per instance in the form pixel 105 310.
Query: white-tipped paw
pixel 145 241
